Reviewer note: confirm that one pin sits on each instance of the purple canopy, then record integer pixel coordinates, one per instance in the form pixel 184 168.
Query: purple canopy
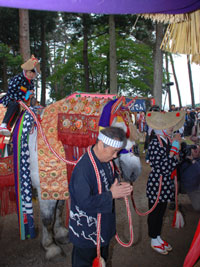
pixel 107 6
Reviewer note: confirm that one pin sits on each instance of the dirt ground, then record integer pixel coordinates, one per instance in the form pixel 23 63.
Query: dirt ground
pixel 16 253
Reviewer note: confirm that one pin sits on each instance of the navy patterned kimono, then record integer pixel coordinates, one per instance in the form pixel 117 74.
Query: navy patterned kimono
pixel 161 164
pixel 17 89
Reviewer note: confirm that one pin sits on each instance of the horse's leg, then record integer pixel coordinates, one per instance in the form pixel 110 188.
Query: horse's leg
pixel 47 211
pixel 47 207
pixel 60 232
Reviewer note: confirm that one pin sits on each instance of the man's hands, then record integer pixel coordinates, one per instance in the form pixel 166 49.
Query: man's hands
pixel 120 190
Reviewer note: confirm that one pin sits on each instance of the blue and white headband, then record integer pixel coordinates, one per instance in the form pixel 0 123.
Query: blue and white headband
pixel 109 141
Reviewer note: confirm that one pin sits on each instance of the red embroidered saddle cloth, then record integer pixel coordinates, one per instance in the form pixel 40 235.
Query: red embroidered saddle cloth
pixel 78 124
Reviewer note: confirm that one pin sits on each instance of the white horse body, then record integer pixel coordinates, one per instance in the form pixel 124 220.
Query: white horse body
pixel 53 230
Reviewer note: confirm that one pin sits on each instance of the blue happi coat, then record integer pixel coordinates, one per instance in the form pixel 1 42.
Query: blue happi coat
pixel 86 202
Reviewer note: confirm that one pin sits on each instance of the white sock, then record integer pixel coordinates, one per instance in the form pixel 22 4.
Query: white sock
pixel 160 239
pixel 4 125
pixel 155 242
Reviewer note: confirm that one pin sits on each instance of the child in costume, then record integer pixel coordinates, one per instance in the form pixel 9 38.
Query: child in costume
pixel 21 87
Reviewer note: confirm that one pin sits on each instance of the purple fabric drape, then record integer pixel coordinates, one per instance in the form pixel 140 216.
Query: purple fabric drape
pixel 107 6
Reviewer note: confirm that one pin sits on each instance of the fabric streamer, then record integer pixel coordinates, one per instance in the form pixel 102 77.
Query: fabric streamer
pixel 22 176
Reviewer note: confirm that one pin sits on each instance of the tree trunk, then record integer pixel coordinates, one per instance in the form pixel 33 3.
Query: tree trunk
pixel 113 56
pixel 85 52
pixel 108 74
pixel 176 81
pixel 168 80
pixel 43 63
pixel 158 66
pixel 191 82
pixel 4 76
pixel 24 41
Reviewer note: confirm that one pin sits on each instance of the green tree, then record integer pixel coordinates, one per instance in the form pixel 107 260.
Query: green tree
pixel 9 34
pixel 9 66
pixel 98 57
pixel 41 25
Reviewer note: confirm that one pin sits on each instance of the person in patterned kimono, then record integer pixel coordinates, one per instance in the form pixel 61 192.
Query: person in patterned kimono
pixel 21 87
pixel 86 202
pixel 163 156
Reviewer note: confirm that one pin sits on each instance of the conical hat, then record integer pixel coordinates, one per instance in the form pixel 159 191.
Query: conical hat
pixel 165 120
pixel 31 64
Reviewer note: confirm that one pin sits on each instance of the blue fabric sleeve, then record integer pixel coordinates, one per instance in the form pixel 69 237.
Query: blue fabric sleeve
pixel 83 189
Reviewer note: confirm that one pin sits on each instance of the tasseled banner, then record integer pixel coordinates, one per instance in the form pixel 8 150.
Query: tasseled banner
pixel 98 262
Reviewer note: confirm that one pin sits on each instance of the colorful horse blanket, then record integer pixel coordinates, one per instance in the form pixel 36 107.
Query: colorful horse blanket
pixel 70 126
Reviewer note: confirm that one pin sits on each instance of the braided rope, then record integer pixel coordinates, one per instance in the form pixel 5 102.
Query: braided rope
pixel 127 245
pixel 44 136
pixel 154 205
pixel 100 191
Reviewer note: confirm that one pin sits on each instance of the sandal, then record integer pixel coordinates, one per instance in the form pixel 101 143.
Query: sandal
pixel 160 249
pixel 167 246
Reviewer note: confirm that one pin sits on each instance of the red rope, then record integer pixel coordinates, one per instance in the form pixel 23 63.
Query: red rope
pixel 100 191
pixel 155 204
pixel 126 245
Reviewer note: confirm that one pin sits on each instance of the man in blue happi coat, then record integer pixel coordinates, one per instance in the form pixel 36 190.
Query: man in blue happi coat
pixel 86 202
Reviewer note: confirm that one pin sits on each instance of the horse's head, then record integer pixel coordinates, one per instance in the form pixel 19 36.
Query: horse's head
pixel 127 162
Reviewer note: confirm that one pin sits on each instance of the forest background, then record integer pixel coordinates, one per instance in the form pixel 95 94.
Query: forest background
pixel 91 53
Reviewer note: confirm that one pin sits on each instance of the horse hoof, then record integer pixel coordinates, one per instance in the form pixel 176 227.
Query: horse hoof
pixel 53 252
pixel 63 240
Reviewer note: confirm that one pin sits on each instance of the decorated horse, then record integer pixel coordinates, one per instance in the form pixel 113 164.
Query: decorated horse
pixel 47 147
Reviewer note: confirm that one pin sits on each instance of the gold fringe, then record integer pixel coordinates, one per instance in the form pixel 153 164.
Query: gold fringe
pixel 184 37
pixel 165 18
pixel 196 59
